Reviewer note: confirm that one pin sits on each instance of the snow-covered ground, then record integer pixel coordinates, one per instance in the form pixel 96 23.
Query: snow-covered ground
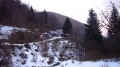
pixel 5 31
pixel 46 53
pixel 35 58
pixel 32 54
pixel 91 64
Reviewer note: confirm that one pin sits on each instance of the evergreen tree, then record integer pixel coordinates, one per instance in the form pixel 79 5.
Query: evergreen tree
pixel 114 30
pixel 67 27
pixel 31 14
pixel 32 11
pixel 45 16
pixel 92 28
pixel 114 22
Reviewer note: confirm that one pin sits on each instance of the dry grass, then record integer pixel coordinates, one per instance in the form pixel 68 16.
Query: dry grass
pixel 23 37
pixel 5 53
pixel 51 60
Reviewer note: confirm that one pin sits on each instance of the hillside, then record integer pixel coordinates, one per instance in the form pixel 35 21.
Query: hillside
pixel 54 21
pixel 54 51
pixel 21 15
pixel 78 27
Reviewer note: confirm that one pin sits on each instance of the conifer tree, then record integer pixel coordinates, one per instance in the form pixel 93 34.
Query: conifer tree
pixel 114 23
pixel 114 30
pixel 45 16
pixel 67 27
pixel 92 30
pixel 31 14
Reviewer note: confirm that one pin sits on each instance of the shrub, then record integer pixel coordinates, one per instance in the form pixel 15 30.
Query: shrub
pixel 27 46
pixel 61 57
pixel 51 60
pixel 44 50
pixel 112 46
pixel 5 54
pixel 23 55
pixel 23 62
pixel 23 37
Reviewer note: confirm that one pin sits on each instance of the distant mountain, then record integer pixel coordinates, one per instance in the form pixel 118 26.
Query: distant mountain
pixel 57 20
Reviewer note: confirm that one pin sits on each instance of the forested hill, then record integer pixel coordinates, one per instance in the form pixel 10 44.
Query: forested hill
pixel 16 13
pixel 33 38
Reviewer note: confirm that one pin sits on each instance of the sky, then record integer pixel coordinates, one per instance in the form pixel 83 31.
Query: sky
pixel 76 9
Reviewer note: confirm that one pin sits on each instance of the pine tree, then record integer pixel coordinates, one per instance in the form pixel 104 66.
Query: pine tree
pixel 45 16
pixel 114 30
pixel 114 23
pixel 92 28
pixel 32 12
pixel 67 27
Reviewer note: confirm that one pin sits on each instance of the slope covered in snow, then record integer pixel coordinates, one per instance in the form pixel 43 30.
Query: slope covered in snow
pixel 44 53
pixel 5 31
pixel 32 56
pixel 55 51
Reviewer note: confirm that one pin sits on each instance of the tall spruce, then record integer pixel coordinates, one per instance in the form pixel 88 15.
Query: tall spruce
pixel 92 30
pixel 114 22
pixel 67 27
pixel 45 16
pixel 31 14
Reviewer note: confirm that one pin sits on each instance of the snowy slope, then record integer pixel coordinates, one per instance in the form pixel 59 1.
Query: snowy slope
pixel 5 31
pixel 35 58
pixel 49 53
pixel 34 53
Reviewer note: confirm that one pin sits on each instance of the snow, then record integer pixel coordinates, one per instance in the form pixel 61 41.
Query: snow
pixel 3 37
pixel 74 63
pixel 33 56
pixel 54 38
pixel 7 30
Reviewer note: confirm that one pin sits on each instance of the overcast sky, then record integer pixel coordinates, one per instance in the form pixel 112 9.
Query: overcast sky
pixel 76 9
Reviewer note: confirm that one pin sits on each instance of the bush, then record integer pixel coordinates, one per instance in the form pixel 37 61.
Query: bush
pixel 23 37
pixel 5 55
pixel 61 57
pixel 23 62
pixel 112 46
pixel 23 55
pixel 27 46
pixel 94 50
pixel 51 60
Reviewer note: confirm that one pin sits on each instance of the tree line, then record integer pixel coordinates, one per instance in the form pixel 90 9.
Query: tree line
pixel 95 42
